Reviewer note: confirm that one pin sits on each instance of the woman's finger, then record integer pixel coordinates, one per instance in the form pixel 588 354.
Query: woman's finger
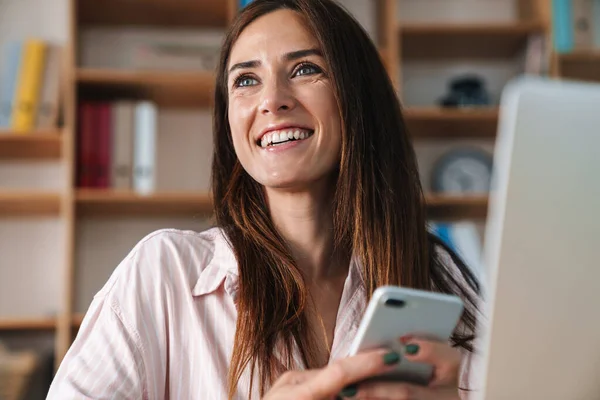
pixel 403 391
pixel 445 359
pixel 341 373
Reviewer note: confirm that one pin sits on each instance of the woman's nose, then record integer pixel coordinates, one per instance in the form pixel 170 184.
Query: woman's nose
pixel 277 97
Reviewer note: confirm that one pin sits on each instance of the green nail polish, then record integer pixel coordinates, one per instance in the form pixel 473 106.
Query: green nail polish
pixel 391 358
pixel 349 391
pixel 412 349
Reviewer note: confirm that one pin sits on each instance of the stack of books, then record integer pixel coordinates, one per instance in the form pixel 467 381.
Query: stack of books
pixel 116 145
pixel 575 25
pixel 29 85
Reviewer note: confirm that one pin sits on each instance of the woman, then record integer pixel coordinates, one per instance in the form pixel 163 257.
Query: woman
pixel 318 202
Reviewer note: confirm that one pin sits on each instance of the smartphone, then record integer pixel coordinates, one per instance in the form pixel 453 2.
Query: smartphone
pixel 394 312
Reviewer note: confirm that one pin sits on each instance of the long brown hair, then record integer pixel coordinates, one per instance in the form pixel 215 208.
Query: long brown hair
pixel 378 204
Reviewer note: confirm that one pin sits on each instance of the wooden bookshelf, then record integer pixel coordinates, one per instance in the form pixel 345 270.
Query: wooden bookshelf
pixel 101 203
pixel 167 89
pixel 431 41
pixel 581 65
pixel 166 13
pixel 27 324
pixel 21 204
pixel 43 145
pixel 447 123
pixel 77 320
pixel 450 207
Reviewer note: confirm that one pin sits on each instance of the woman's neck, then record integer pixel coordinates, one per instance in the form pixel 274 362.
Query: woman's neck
pixel 305 221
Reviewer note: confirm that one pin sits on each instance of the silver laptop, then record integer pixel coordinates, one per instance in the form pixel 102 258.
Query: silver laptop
pixel 541 339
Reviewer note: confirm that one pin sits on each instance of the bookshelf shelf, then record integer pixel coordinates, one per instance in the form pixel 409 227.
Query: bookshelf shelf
pixel 442 41
pixel 437 122
pixel 456 207
pixel 165 13
pixel 27 324
pixel 100 202
pixel 166 88
pixel 29 204
pixel 581 64
pixel 41 145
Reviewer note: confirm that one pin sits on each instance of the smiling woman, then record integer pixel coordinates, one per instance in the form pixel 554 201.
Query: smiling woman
pixel 318 202
pixel 282 109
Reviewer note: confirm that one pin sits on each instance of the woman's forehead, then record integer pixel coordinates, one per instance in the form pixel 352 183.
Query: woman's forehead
pixel 272 36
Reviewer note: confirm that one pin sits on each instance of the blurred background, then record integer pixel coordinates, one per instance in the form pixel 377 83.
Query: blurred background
pixel 105 132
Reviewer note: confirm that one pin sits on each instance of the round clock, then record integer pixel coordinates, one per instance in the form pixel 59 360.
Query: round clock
pixel 463 171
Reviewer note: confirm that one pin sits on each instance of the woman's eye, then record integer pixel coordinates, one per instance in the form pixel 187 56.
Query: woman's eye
pixel 243 81
pixel 307 69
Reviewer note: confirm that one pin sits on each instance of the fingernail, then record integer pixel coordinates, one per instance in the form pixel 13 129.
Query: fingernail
pixel 391 358
pixel 412 349
pixel 349 391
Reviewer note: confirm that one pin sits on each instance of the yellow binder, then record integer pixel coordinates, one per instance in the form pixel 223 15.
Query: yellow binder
pixel 29 83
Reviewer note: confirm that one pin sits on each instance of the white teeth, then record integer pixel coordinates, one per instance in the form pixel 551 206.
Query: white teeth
pixel 277 138
pixel 283 136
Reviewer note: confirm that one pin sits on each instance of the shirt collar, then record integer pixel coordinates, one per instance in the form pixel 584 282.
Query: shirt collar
pixel 221 269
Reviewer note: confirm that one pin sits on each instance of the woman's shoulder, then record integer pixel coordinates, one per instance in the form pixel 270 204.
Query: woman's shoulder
pixel 170 258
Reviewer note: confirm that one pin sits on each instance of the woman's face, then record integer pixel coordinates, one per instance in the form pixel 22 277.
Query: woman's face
pixel 282 110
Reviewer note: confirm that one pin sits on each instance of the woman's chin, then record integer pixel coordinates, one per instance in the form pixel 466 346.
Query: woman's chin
pixel 288 184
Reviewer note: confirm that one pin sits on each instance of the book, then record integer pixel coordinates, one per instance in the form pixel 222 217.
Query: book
pixel 144 149
pixel 583 37
pixel 562 25
pixel 48 107
pixel 103 140
pixel 28 85
pixel 8 82
pixel 122 144
pixel 86 145
pixel 596 24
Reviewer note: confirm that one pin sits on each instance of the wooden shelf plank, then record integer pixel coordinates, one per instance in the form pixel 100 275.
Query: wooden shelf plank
pixel 29 204
pixel 438 122
pixel 43 145
pixel 581 65
pixel 99 203
pixel 166 88
pixel 449 207
pixel 431 41
pixel 27 324
pixel 164 13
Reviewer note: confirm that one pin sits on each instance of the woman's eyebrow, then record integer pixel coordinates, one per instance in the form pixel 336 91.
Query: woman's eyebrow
pixel 294 55
pixel 302 53
pixel 245 64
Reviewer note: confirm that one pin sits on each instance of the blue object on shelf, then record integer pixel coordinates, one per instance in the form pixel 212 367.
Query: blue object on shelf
pixel 8 80
pixel 562 26
pixel 244 3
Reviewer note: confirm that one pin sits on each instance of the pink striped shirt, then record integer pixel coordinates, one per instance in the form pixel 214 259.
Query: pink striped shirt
pixel 163 325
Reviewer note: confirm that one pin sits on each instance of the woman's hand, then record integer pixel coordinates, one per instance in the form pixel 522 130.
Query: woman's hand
pixel 328 382
pixel 340 378
pixel 443 385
